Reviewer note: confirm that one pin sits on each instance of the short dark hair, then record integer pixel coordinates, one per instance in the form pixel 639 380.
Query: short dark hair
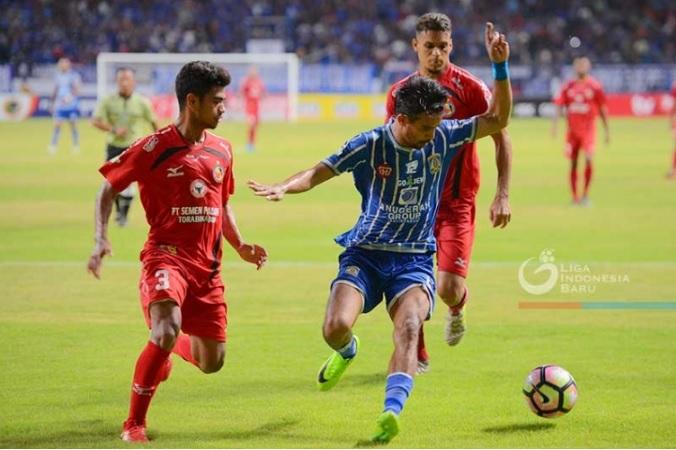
pixel 199 77
pixel 124 69
pixel 433 22
pixel 420 95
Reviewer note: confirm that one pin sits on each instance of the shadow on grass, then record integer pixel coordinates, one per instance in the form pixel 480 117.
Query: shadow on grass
pixel 518 427
pixel 86 433
pixel 365 379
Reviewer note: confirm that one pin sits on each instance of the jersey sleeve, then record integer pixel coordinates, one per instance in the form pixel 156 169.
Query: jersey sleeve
pixel 479 98
pixel 560 98
pixel 354 152
pixel 228 181
pixel 389 103
pixel 101 109
pixel 130 165
pixel 599 95
pixel 459 132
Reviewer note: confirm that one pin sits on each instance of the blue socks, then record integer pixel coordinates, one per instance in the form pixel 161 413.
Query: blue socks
pixel 397 390
pixel 75 135
pixel 55 135
pixel 350 350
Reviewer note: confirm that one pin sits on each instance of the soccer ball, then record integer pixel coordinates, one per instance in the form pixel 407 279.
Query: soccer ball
pixel 550 391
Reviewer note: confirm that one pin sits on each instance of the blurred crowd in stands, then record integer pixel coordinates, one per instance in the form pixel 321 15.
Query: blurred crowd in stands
pixel 338 31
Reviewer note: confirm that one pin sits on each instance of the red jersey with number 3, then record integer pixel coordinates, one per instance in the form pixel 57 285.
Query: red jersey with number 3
pixel 582 99
pixel 183 188
pixel 252 90
pixel 468 96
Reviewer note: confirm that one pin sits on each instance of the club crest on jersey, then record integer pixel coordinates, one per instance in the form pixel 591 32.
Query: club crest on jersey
pixel 150 145
pixel 434 162
pixel 408 196
pixel 218 173
pixel 198 188
pixel 352 270
pixel 384 170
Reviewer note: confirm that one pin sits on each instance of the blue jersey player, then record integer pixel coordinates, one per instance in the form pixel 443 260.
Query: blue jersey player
pixel 65 103
pixel 399 170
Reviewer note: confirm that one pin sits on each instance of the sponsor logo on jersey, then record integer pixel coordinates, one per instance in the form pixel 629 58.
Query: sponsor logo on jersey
pixel 218 174
pixel 198 188
pixel 175 172
pixel 434 162
pixel 352 270
pixel 151 144
pixel 411 167
pixel 384 170
pixel 408 196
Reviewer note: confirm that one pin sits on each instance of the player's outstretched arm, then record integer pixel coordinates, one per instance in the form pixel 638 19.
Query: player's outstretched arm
pixel 102 210
pixel 497 117
pixel 500 212
pixel 300 182
pixel 251 253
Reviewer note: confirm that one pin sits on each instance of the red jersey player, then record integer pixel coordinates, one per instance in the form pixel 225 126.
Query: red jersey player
pixel 583 99
pixel 185 179
pixel 253 90
pixel 467 97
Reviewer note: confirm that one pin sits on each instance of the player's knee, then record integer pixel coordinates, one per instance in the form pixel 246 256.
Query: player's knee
pixel 409 329
pixel 213 365
pixel 335 326
pixel 452 290
pixel 165 334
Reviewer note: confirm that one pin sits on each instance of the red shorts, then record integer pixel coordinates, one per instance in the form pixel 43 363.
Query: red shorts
pixel 454 231
pixel 197 291
pixel 580 141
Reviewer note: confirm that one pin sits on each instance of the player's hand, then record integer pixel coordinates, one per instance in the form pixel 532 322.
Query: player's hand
pixel 501 213
pixel 496 44
pixel 101 249
pixel 273 192
pixel 254 254
pixel 120 132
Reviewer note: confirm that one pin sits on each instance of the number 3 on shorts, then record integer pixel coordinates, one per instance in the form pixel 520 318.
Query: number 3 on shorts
pixel 162 276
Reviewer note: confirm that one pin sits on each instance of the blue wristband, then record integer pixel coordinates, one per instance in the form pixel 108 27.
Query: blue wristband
pixel 500 71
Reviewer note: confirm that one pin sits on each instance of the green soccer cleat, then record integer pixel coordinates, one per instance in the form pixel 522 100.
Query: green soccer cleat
pixel 333 369
pixel 388 427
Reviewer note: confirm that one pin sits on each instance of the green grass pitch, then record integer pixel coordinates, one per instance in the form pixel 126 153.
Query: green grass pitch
pixel 69 342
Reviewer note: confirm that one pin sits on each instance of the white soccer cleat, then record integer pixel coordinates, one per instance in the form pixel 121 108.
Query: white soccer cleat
pixel 455 327
pixel 51 149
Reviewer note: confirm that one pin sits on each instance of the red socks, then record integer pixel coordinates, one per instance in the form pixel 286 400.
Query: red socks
pixel 184 349
pixel 148 367
pixel 457 308
pixel 573 182
pixel 422 351
pixel 588 170
pixel 252 135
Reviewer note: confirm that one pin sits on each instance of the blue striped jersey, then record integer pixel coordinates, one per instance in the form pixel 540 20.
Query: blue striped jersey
pixel 66 85
pixel 400 187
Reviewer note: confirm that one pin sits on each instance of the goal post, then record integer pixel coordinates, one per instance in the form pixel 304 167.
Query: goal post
pixel 156 72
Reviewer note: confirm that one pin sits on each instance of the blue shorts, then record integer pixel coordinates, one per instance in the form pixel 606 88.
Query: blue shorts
pixel 66 113
pixel 376 273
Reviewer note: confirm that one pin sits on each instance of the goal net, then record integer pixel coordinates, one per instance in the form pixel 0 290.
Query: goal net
pixel 156 73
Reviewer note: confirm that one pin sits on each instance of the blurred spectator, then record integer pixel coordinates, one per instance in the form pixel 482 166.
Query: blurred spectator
pixel 345 31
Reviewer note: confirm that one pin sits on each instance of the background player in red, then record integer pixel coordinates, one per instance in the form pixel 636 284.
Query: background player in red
pixel 467 96
pixel 583 99
pixel 253 90
pixel 672 173
pixel 185 179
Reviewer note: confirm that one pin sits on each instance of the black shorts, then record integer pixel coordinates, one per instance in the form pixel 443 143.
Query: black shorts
pixel 112 151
